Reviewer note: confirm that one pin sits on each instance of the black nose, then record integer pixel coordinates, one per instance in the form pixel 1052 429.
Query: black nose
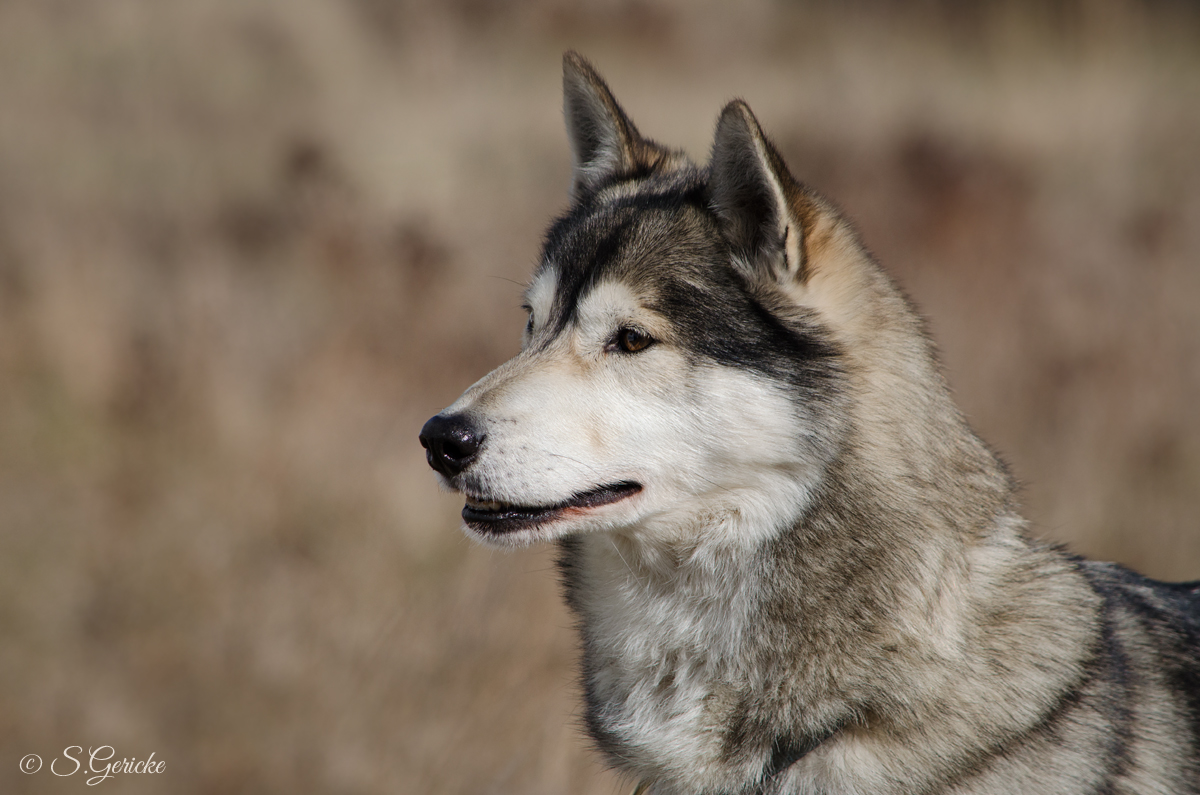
pixel 451 443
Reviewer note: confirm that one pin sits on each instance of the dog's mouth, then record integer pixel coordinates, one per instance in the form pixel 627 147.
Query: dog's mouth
pixel 496 518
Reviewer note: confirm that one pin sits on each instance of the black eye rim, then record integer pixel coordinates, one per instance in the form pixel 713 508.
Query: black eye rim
pixel 630 339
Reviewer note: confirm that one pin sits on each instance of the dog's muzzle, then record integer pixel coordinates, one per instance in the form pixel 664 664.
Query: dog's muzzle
pixel 451 443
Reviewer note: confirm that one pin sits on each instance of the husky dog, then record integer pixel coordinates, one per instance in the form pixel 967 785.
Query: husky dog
pixel 794 566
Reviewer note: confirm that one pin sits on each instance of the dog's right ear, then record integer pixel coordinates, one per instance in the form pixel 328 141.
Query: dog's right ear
pixel 604 142
pixel 755 198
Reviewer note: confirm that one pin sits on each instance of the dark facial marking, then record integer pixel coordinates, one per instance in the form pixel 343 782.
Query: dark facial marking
pixel 666 243
pixel 591 240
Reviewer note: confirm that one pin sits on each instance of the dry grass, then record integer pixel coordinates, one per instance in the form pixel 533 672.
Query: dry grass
pixel 247 247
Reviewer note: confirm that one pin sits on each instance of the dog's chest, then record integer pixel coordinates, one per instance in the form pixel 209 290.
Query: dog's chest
pixel 663 657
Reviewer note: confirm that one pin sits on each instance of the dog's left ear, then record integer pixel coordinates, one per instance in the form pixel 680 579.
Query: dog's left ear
pixel 755 198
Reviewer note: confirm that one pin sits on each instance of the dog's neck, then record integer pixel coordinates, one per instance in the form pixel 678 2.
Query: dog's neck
pixel 666 629
pixel 711 651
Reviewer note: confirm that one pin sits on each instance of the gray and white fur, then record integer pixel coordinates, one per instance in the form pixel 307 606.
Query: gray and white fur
pixel 795 567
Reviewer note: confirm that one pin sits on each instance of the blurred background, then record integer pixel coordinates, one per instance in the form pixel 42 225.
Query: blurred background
pixel 247 247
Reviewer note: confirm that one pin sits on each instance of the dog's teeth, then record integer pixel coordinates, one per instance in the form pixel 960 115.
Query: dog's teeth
pixel 484 505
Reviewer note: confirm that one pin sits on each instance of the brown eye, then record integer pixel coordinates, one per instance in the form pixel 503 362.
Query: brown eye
pixel 632 340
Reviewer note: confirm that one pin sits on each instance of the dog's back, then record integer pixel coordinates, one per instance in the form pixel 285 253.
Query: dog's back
pixel 1152 629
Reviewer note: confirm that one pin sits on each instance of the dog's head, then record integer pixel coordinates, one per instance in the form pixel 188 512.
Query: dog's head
pixel 682 367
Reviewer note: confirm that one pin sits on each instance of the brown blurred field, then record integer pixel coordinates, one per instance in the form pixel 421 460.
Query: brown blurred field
pixel 248 246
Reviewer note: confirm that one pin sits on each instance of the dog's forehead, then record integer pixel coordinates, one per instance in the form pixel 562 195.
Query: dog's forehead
pixel 643 242
pixel 594 308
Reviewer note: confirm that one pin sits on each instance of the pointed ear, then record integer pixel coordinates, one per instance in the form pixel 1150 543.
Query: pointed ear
pixel 755 197
pixel 604 141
